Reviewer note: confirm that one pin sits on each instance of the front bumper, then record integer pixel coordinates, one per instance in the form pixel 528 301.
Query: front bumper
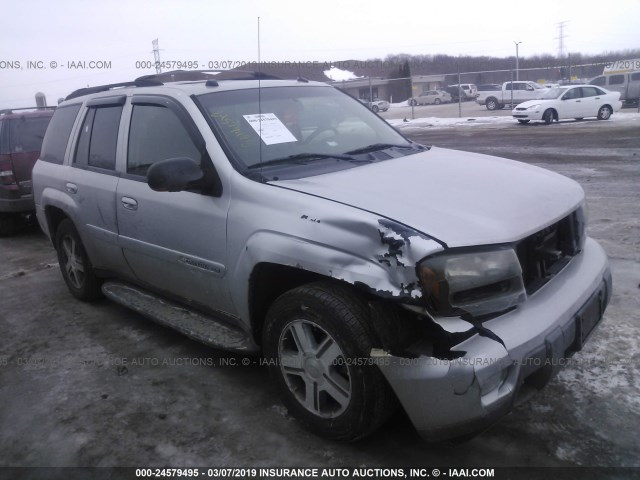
pixel 450 398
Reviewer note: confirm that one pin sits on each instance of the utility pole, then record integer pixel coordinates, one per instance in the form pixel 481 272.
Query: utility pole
pixel 517 60
pixel 156 55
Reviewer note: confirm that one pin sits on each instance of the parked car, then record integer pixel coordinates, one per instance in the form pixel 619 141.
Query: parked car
pixel 280 217
pixel 431 97
pixel 626 83
pixel 21 134
pixel 577 102
pixel 377 105
pixel 510 93
pixel 469 90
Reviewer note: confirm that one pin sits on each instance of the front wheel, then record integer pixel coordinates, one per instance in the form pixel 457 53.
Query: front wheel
pixel 437 101
pixel 548 116
pixel 413 102
pixel 74 263
pixel 317 343
pixel 374 109
pixel 604 113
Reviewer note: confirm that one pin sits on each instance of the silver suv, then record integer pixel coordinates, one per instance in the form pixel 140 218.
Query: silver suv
pixel 284 218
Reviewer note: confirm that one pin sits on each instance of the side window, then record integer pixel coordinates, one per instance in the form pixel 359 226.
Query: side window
pixel 572 94
pixel 589 92
pixel 104 136
pixel 635 76
pixel 27 133
pixel 616 79
pixel 57 136
pixel 98 138
pixel 599 81
pixel 156 134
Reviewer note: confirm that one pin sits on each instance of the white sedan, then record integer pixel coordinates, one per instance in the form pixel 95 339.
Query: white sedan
pixel 571 101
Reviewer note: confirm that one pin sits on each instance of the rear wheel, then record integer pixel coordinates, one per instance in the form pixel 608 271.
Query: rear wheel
pixel 74 263
pixel 491 103
pixel 374 108
pixel 437 101
pixel 548 116
pixel 605 112
pixel 317 343
pixel 413 102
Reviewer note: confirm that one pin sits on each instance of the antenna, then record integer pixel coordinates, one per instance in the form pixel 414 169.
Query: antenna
pixel 259 97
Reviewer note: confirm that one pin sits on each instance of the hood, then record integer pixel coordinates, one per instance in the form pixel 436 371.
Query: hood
pixel 459 198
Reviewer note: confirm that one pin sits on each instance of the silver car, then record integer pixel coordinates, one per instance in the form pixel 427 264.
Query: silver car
pixel 431 97
pixel 282 218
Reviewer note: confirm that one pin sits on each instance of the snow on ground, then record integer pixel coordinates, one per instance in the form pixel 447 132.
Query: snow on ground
pixel 336 74
pixel 438 122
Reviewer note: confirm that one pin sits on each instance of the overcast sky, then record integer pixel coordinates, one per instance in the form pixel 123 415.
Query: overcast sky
pixel 120 33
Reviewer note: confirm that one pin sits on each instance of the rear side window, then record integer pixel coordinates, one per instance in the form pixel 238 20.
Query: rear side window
pixel 27 133
pixel 155 134
pixel 55 141
pixel 98 138
pixel 590 91
pixel 635 76
pixel 616 79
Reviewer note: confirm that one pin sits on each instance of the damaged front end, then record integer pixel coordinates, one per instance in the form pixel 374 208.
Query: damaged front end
pixel 458 374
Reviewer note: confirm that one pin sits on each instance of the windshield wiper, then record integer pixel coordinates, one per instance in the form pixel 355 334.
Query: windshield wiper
pixel 301 158
pixel 378 146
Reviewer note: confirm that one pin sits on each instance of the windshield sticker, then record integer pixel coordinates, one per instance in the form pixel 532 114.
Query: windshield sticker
pixel 270 128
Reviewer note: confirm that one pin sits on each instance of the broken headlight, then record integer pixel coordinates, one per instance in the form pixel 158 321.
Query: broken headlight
pixel 479 282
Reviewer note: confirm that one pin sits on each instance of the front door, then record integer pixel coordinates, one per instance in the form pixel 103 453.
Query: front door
pixel 175 242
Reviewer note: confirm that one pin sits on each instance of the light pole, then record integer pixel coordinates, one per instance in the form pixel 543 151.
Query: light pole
pixel 517 60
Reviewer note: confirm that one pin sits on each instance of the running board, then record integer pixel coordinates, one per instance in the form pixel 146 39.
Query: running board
pixel 200 327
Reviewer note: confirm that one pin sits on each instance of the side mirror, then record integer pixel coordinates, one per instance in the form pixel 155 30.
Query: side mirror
pixel 174 175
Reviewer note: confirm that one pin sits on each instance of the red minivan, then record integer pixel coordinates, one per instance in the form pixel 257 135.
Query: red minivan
pixel 21 134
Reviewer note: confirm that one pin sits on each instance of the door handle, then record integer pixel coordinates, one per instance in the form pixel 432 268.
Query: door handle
pixel 597 98
pixel 129 203
pixel 71 187
pixel 578 101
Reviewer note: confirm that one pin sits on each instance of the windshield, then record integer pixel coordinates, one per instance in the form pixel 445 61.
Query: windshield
pixel 553 93
pixel 297 122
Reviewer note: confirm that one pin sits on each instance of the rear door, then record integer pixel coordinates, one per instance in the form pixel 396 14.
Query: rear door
pixel 92 181
pixel 175 242
pixel 618 83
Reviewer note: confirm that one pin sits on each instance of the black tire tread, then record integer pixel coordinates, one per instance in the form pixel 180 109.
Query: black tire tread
pixel 353 312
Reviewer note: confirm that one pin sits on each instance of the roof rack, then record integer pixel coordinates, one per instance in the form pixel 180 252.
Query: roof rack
pixel 197 75
pixel 157 79
pixel 103 88
pixel 9 111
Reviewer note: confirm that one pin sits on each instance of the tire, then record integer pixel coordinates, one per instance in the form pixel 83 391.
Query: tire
pixel 8 224
pixel 491 103
pixel 437 101
pixel 548 116
pixel 374 108
pixel 413 102
pixel 523 121
pixel 310 332
pixel 74 263
pixel 605 112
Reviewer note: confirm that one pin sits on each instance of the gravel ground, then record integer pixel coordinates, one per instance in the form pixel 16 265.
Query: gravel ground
pixel 98 385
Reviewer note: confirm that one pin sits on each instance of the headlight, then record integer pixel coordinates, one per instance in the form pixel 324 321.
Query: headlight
pixel 532 107
pixel 479 283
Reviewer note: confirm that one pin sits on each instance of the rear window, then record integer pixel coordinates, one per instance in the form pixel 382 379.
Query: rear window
pixel 57 136
pixel 26 133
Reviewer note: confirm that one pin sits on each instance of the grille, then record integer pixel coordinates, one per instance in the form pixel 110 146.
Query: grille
pixel 546 252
